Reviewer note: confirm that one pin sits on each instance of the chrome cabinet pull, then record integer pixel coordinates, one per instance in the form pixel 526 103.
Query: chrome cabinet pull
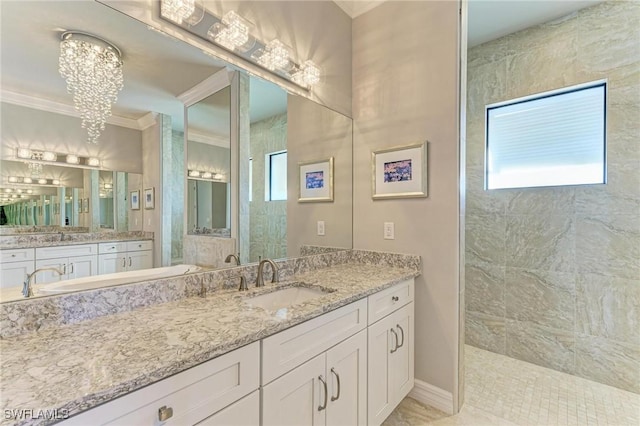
pixel 326 394
pixel 335 398
pixel 165 413
pixel 129 260
pixel 396 345
pixel 395 298
pixel 64 269
pixel 71 265
pixel 402 334
pixel 124 262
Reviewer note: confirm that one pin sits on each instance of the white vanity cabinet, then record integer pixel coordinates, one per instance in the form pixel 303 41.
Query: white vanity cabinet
pixel 75 261
pixel 223 391
pixel 15 264
pixel 328 389
pixel 124 256
pixel 390 350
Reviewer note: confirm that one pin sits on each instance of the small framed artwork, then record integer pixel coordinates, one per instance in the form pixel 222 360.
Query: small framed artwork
pixel 134 197
pixel 315 181
pixel 85 205
pixel 399 172
pixel 149 198
pixel 80 205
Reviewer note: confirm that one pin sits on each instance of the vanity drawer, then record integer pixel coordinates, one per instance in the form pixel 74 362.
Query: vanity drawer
pixel 66 251
pixel 104 248
pixel 290 348
pixel 139 245
pixel 192 395
pixel 17 255
pixel 383 303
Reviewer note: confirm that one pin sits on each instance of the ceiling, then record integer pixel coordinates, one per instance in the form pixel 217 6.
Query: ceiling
pixel 490 19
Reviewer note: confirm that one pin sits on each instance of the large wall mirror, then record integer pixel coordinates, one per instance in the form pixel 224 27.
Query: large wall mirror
pixel 234 176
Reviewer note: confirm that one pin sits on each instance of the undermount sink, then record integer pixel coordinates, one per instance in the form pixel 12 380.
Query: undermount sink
pixel 284 297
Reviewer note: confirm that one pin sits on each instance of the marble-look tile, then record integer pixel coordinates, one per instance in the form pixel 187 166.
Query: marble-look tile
pixel 608 307
pixel 475 140
pixel 608 245
pixel 525 68
pixel 540 242
pixel 609 362
pixel 411 412
pixel 548 347
pixel 485 331
pixel 485 239
pixel 207 251
pixel 479 200
pixel 603 46
pixel 486 84
pixel 620 195
pixel 485 289
pixel 541 201
pixel 541 297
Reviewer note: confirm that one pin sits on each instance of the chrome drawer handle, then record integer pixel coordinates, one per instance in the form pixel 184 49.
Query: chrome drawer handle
pixel 326 393
pixel 401 331
pixel 165 413
pixel 335 398
pixel 124 262
pixel 129 260
pixel 395 298
pixel 396 344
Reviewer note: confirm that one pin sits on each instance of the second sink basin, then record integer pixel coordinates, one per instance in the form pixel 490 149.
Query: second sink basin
pixel 284 297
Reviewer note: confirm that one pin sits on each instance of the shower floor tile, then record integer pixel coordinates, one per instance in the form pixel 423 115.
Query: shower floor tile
pixel 505 391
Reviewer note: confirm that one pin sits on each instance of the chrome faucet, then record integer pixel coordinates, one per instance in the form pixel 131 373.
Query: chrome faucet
pixel 232 256
pixel 260 277
pixel 243 283
pixel 27 291
pixel 61 235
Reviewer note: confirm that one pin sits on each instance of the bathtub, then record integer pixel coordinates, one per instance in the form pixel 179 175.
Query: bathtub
pixel 119 278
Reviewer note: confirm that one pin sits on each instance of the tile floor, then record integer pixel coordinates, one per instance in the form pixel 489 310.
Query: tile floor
pixel 504 391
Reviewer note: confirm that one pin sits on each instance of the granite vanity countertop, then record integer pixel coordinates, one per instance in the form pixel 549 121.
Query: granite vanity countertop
pixel 76 367
pixel 71 239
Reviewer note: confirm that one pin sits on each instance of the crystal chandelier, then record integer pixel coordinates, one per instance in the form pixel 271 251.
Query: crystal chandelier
pixel 92 68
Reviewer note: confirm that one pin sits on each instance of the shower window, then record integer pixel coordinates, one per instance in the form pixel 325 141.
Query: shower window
pixel 549 139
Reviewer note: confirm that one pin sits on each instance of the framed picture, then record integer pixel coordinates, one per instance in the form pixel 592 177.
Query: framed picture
pixel 85 205
pixel 399 172
pixel 134 197
pixel 315 181
pixel 149 198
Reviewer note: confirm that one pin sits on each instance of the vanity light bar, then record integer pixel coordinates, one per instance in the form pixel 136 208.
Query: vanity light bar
pixel 33 181
pixel 197 174
pixel 233 32
pixel 57 158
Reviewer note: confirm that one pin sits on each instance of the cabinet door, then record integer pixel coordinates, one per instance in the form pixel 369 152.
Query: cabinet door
pixel 111 263
pixel 298 397
pixel 50 276
pixel 245 412
pixel 347 381
pixel 82 266
pixel 137 260
pixel 13 274
pixel 401 366
pixel 380 399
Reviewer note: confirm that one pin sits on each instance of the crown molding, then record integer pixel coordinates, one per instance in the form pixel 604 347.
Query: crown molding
pixel 147 120
pixel 209 139
pixel 213 84
pixel 29 101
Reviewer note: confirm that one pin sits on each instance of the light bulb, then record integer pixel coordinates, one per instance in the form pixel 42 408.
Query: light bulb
pixel 42 181
pixel 207 175
pixel 27 180
pixel 55 182
pixel 93 162
pixel 13 179
pixel 73 159
pixel 24 153
pixel 49 156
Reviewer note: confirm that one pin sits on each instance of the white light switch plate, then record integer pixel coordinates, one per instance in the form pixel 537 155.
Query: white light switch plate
pixel 389 232
pixel 321 227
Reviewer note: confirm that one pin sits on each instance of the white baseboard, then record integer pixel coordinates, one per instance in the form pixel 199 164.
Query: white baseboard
pixel 431 395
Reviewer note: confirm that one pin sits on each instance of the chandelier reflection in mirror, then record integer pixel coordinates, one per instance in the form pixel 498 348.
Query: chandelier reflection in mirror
pixel 92 68
pixel 234 33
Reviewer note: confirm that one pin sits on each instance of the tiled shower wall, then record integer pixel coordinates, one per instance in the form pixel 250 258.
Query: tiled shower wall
pixel 553 274
pixel 268 219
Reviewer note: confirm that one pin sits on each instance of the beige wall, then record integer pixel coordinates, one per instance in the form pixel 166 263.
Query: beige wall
pixel 317 133
pixel 553 274
pixel 405 88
